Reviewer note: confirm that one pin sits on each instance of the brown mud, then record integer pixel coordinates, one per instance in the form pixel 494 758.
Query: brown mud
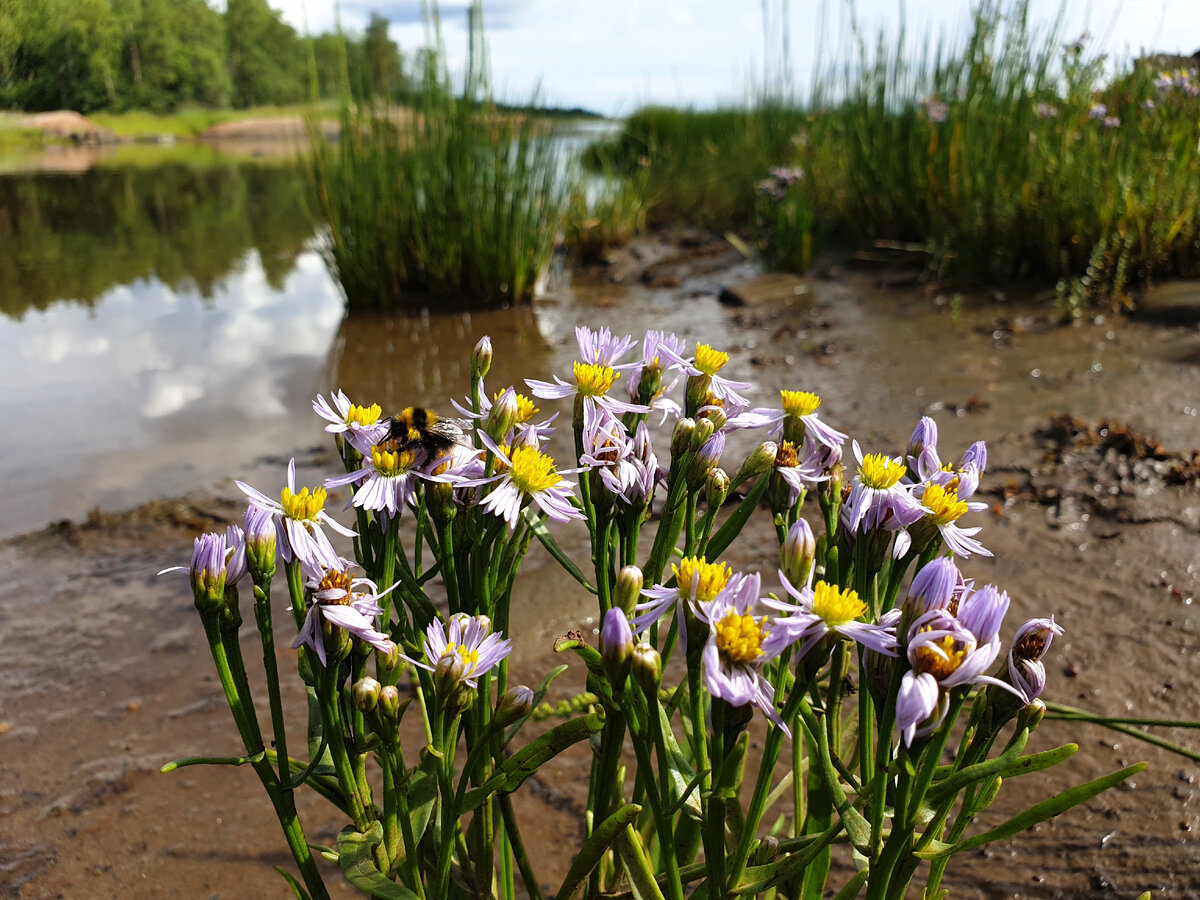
pixel 104 674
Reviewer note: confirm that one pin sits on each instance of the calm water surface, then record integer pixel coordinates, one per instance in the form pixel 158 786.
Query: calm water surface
pixel 166 322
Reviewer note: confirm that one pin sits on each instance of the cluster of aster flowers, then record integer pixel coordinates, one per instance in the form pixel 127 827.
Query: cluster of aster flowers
pixel 479 491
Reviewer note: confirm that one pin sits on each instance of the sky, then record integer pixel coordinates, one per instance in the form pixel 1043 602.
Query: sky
pixel 612 56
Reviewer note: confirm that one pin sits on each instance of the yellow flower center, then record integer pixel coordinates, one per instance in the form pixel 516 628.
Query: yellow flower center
pixel 836 606
pixel 708 360
pixel 304 505
pixel 363 415
pixel 335 580
pixel 533 471
pixel 800 403
pixel 943 504
pixel 740 637
pixel 470 658
pixel 937 665
pixel 711 581
pixel 594 380
pixel 877 471
pixel 389 460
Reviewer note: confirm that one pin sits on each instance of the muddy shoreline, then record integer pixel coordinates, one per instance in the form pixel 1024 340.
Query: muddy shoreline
pixel 104 674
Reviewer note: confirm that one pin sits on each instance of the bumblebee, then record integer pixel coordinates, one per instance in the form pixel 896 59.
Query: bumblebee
pixel 415 427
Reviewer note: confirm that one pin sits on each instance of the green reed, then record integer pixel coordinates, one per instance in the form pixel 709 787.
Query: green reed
pixel 448 199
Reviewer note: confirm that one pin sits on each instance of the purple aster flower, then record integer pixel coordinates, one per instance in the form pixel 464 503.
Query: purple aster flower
pixel 738 646
pixel 982 612
pixel 361 425
pixel 647 382
pixel 923 436
pixel 218 561
pixel 602 347
pixel 299 519
pixel 936 111
pixel 387 480
pixel 935 586
pixel 592 383
pixel 345 602
pixel 828 609
pixel 1097 111
pixel 944 510
pixel 526 474
pixel 878 499
pixel 1046 111
pixel 468 640
pixel 798 421
pixel 697 582
pixel 608 450
pixel 703 381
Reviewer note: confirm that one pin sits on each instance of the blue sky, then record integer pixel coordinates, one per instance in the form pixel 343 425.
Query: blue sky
pixel 614 55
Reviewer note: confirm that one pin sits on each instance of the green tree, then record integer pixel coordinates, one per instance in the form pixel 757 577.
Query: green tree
pixel 266 61
pixel 383 61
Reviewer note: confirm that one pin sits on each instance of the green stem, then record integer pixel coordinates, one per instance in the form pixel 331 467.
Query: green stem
pixel 262 616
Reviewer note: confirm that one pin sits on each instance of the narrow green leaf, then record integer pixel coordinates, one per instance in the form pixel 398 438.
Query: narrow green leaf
pixel 679 770
pixel 594 847
pixel 296 886
pixel 542 533
pixel 1007 765
pixel 528 759
pixel 1040 812
pixel 355 856
pixel 637 867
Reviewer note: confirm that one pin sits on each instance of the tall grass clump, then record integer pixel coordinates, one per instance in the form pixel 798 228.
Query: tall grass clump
pixel 1013 156
pixel 700 167
pixel 449 200
pixel 606 210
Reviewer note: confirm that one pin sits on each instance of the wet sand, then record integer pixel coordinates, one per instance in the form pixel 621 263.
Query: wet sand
pixel 104 674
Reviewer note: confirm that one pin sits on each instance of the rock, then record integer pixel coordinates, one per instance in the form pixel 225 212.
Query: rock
pixel 772 289
pixel 1175 303
pixel 65 123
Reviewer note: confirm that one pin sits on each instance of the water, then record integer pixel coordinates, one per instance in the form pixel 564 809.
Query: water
pixel 166 320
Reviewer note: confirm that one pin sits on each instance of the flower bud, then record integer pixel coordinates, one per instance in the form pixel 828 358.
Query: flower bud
pixel 767 851
pixel 716 488
pixel 338 642
pixel 1031 715
pixel 447 674
pixel 681 437
pixel 207 571
pixel 706 459
pixel 797 553
pixel 924 435
pixel 390 665
pixel 647 668
pixel 514 704
pixel 761 460
pixel 389 701
pixel 260 543
pixel 481 359
pixel 616 647
pixel 628 589
pixel 503 416
pixel 462 699
pixel 933 587
pixel 366 694
pixel 716 415
pixel 701 434
pixel 696 393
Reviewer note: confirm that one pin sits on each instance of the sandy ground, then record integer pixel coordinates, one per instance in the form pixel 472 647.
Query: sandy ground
pixel 104 674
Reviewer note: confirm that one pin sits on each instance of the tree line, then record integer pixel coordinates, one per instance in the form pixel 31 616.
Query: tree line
pixel 161 55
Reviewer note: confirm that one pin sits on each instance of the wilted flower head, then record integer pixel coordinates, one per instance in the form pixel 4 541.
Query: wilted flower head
pixel 1025 668
pixel 343 602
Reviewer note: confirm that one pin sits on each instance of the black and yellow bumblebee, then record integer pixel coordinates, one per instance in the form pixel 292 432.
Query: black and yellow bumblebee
pixel 416 427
